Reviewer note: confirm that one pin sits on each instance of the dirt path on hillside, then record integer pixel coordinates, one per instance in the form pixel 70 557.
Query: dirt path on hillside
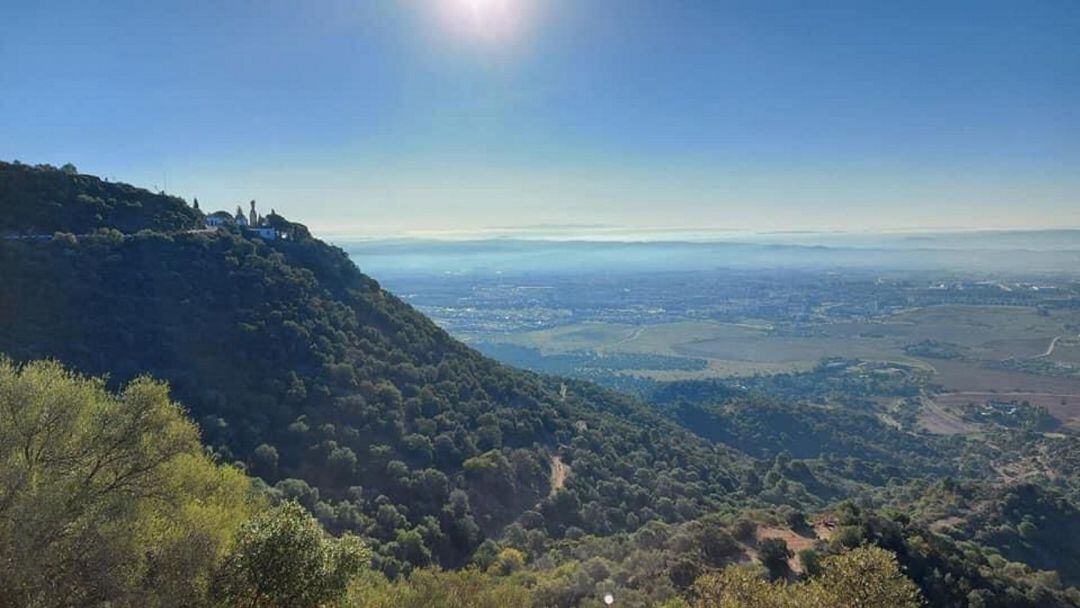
pixel 1050 349
pixel 559 472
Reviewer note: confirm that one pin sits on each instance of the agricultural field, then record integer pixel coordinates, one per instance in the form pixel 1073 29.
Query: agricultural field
pixel 975 354
pixel 980 334
pixel 977 340
pixel 659 339
pixel 791 350
pixel 1066 351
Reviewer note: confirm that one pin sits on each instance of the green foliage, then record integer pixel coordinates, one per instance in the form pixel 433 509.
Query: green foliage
pixel 811 562
pixel 283 558
pixel 466 588
pixel 774 555
pixel 946 571
pixel 285 348
pixel 865 577
pixel 743 529
pixel 507 562
pixel 861 578
pixel 716 544
pixel 43 200
pixel 1025 522
pixel 766 427
pixel 796 520
pixel 846 382
pixel 347 401
pixel 107 498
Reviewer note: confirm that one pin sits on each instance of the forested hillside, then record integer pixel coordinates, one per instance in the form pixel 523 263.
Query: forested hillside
pixel 333 393
pixel 343 397
pixel 37 200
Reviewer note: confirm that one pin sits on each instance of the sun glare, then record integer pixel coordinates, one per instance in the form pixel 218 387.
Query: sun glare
pixel 487 21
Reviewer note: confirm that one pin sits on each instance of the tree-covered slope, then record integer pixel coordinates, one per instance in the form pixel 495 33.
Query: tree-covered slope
pixel 346 398
pixel 1030 524
pixel 833 448
pixel 44 200
pixel 1024 521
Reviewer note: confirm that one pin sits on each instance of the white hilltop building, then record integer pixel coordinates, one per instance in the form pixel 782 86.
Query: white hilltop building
pixel 218 219
pixel 253 224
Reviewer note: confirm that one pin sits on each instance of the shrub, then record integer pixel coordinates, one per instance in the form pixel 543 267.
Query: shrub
pixel 282 558
pixel 774 555
pixel 107 499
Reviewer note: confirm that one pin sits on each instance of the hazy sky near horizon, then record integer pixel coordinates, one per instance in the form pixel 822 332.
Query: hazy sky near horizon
pixel 390 117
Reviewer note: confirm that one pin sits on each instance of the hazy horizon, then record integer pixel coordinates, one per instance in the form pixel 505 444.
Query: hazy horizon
pixel 619 234
pixel 975 253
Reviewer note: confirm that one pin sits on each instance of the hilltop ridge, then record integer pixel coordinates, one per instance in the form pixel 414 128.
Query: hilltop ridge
pixel 41 199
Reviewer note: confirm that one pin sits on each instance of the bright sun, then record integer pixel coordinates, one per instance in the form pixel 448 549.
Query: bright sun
pixel 488 21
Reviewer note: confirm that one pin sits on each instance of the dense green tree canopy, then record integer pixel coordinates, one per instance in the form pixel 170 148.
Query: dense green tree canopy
pixel 43 200
pixel 860 578
pixel 107 497
pixel 283 558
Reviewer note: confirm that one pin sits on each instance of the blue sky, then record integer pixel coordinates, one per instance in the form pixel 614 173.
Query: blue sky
pixel 441 116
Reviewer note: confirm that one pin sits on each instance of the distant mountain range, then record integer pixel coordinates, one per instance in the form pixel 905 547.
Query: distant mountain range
pixel 1018 253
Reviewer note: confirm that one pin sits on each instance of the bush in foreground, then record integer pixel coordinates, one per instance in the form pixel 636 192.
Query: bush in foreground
pixel 107 498
pixel 860 578
pixel 283 558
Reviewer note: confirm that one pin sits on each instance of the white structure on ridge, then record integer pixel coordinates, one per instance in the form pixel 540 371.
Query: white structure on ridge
pixel 253 224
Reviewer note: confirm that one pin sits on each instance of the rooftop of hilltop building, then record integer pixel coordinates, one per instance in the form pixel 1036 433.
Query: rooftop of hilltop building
pixel 253 223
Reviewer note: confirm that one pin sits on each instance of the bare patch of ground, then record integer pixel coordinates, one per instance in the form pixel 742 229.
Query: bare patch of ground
pixel 1040 464
pixel 936 419
pixel 962 376
pixel 559 472
pixel 946 522
pixel 795 542
pixel 824 528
